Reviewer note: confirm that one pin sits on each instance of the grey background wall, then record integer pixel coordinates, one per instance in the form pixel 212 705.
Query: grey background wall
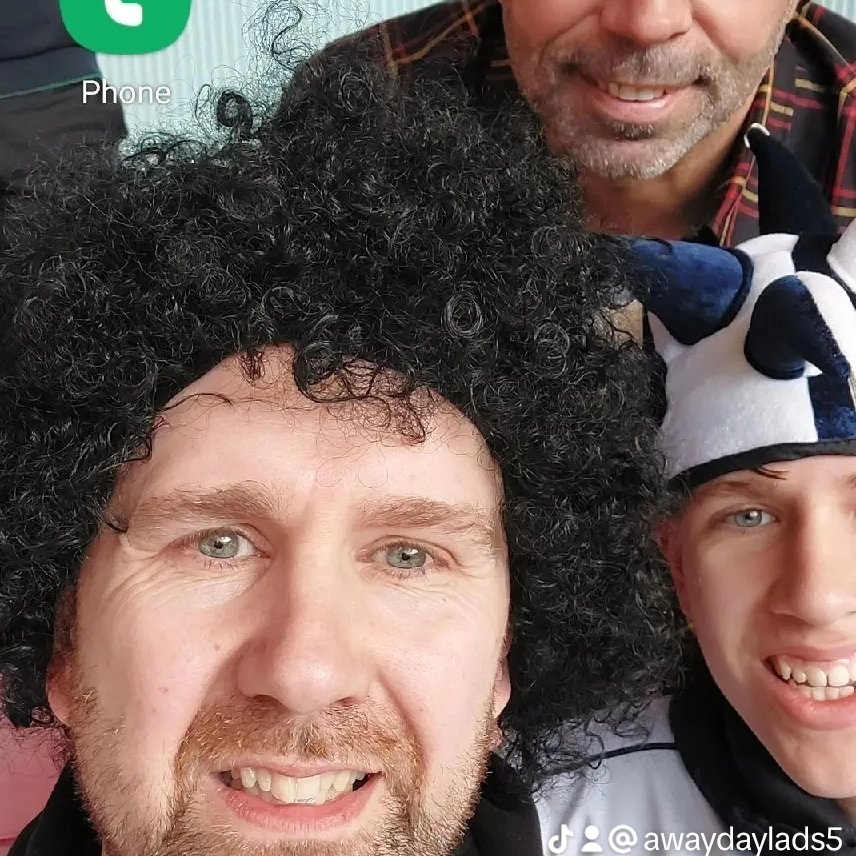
pixel 218 48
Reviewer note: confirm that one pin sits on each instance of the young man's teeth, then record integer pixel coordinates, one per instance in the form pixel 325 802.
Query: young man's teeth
pixel 309 790
pixel 631 93
pixel 827 683
pixel 823 693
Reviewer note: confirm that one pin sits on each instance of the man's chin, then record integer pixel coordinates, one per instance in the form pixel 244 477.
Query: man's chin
pixel 621 159
pixel 214 819
pixel 193 808
pixel 820 771
pixel 219 821
pixel 210 834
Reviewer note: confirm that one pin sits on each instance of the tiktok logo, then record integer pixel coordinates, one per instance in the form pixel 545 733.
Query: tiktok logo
pixel 559 843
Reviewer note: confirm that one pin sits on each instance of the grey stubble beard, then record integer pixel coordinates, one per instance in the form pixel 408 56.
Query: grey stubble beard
pixel 622 151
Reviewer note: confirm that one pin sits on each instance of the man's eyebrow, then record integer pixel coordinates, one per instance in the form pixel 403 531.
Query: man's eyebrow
pixel 749 485
pixel 250 499
pixel 244 499
pixel 452 518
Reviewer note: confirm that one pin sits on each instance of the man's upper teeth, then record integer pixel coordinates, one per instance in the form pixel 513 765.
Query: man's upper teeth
pixel 632 93
pixel 311 790
pixel 840 674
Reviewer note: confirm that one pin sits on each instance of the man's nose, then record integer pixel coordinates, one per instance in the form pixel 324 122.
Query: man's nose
pixel 646 22
pixel 308 648
pixel 816 583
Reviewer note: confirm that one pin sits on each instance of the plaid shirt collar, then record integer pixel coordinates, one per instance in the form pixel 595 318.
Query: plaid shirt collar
pixel 806 98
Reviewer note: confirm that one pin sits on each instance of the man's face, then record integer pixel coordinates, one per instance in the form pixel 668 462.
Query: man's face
pixel 764 569
pixel 626 88
pixel 297 646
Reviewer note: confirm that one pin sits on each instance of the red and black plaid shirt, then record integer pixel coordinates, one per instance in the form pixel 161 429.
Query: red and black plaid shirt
pixel 806 98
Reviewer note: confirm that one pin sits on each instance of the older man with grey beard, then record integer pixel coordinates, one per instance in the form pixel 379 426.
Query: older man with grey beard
pixel 650 97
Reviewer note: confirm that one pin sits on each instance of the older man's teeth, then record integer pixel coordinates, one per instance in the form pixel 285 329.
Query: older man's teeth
pixel 631 93
pixel 820 683
pixel 288 790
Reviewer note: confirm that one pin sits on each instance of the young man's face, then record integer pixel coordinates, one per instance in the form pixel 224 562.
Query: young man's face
pixel 627 87
pixel 299 599
pixel 764 569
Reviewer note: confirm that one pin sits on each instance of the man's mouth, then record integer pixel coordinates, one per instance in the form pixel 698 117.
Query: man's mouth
pixel 278 789
pixel 819 681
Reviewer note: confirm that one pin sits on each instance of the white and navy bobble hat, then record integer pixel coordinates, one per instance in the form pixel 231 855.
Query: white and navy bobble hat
pixel 758 343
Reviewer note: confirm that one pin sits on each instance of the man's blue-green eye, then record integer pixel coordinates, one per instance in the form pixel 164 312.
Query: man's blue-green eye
pixel 406 557
pixel 224 545
pixel 751 518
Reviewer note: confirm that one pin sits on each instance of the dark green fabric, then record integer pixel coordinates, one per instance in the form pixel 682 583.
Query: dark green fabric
pixel 36 50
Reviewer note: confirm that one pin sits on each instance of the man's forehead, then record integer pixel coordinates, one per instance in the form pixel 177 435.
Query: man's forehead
pixel 226 430
pixel 228 380
pixel 362 391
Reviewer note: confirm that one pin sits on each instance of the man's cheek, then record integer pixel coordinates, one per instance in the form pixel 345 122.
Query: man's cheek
pixel 449 705
pixel 154 679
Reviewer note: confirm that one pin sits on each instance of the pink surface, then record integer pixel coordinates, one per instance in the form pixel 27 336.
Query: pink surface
pixel 27 776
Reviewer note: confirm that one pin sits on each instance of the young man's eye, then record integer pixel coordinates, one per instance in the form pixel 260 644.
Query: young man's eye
pixel 750 518
pixel 225 544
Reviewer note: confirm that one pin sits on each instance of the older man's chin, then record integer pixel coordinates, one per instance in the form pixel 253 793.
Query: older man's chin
pixel 380 833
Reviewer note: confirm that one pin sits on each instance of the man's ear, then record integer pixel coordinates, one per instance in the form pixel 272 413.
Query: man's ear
pixel 59 697
pixel 59 682
pixel 670 541
pixel 502 684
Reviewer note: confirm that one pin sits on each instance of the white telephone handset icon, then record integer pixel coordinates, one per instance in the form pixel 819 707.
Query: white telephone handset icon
pixel 125 13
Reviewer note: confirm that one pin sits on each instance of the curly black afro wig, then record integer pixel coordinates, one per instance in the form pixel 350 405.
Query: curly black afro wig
pixel 359 222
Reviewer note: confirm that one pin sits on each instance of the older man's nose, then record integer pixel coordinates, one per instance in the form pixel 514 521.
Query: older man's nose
pixel 308 650
pixel 646 22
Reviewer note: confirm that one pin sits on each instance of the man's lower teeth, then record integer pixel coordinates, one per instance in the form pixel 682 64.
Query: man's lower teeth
pixel 822 693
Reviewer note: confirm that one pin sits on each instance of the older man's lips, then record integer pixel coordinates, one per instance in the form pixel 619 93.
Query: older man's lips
pixel 632 103
pixel 298 806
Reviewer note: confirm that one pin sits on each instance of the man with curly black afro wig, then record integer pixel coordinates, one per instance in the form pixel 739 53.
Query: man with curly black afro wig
pixel 325 484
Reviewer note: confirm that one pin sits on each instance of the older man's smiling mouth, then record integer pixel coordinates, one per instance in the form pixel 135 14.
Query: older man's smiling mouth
pixel 639 102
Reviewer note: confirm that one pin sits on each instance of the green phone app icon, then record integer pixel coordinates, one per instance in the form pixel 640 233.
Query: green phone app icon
pixel 125 26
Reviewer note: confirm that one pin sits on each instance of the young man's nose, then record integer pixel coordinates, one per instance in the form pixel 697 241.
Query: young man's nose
pixel 817 581
pixel 646 22
pixel 307 649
